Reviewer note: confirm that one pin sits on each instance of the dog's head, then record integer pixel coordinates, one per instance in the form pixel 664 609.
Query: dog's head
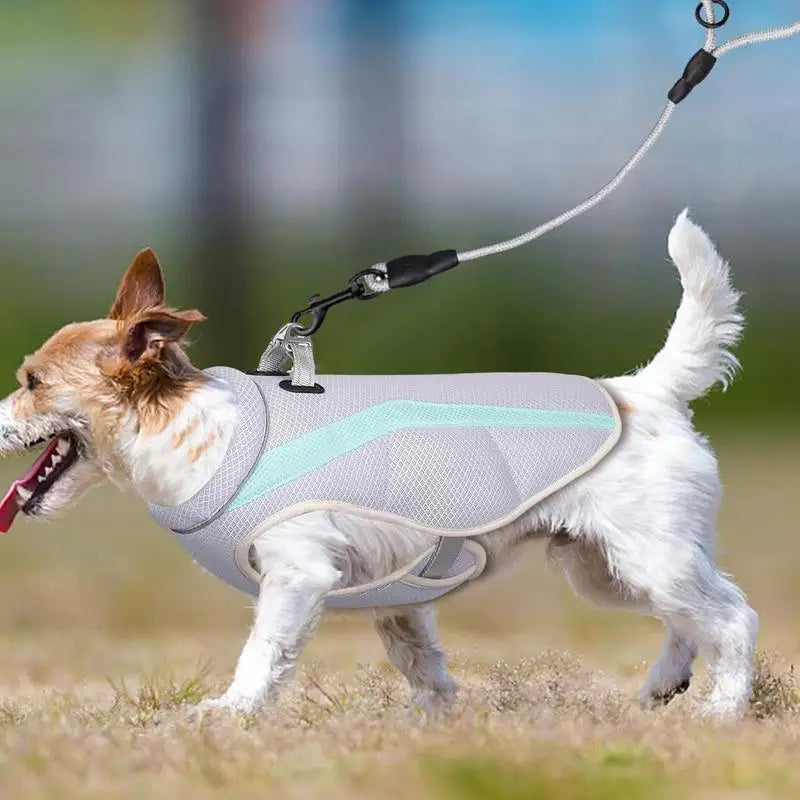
pixel 86 383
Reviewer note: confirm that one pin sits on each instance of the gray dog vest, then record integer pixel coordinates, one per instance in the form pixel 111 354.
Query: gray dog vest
pixel 455 456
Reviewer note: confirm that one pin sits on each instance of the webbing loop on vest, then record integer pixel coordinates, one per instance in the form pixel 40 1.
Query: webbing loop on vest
pixel 290 347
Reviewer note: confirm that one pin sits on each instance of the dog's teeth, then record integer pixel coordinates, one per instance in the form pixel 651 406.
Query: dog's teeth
pixel 55 459
pixel 63 447
pixel 48 471
pixel 24 493
pixel 40 478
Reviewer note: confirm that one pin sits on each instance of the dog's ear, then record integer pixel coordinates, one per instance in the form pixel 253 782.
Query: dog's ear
pixel 149 332
pixel 142 287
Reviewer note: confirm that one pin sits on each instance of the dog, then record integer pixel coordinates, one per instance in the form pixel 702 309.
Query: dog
pixel 119 399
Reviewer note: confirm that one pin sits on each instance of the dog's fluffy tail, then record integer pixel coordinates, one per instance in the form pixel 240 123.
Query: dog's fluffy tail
pixel 696 354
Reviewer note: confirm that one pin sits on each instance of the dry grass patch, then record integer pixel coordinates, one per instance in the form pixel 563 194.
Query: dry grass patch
pixel 548 727
pixel 158 693
pixel 775 689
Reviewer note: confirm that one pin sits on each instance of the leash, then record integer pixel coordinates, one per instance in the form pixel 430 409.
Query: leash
pixel 292 343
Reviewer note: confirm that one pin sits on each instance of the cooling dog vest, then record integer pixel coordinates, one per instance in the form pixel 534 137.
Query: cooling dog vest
pixel 451 455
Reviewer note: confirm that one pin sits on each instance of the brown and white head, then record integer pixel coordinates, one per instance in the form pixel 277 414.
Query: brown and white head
pixel 116 398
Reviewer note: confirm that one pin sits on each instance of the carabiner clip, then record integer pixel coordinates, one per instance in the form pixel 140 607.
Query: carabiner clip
pixel 318 308
pixel 357 289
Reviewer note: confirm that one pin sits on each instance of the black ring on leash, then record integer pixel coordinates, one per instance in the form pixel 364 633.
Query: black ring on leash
pixel 725 17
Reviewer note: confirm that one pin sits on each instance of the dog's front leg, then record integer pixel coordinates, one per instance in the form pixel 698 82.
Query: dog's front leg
pixel 291 602
pixel 412 645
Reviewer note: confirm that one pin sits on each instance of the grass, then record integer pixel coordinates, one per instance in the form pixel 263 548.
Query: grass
pixel 103 622
pixel 775 689
pixel 157 693
pixel 572 734
pixel 611 774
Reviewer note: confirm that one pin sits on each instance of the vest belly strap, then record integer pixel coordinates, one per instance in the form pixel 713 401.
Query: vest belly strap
pixel 454 456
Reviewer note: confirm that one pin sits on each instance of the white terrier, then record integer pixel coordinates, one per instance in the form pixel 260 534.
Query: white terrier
pixel 118 398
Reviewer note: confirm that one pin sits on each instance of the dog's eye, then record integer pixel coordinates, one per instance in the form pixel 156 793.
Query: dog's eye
pixel 33 381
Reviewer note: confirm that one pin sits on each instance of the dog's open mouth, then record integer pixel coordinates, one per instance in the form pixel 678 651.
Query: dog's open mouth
pixel 27 492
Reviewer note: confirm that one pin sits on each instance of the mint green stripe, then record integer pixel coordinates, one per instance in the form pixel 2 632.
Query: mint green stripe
pixel 297 458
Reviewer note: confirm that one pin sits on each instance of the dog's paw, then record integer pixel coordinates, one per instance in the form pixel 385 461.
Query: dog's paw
pixel 651 699
pixel 436 704
pixel 223 705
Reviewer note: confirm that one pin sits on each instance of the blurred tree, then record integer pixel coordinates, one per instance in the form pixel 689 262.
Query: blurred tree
pixel 374 91
pixel 220 265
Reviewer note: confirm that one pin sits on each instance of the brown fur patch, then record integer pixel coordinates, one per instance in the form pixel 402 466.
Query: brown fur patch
pixel 65 364
pixel 196 452
pixel 626 408
pixel 179 438
pixel 157 385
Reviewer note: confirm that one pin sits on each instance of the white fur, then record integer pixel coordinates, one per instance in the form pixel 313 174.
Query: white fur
pixel 159 471
pixel 637 532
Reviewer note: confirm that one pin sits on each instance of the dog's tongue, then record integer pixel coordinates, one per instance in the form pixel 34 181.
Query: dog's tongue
pixel 12 502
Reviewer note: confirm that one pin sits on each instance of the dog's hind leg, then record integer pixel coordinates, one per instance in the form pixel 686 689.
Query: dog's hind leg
pixel 710 608
pixel 586 567
pixel 702 608
pixel 411 640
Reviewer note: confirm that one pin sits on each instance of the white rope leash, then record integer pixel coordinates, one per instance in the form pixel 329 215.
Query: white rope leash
pixel 771 35
pixel 586 205
pixel 711 31
pixel 710 47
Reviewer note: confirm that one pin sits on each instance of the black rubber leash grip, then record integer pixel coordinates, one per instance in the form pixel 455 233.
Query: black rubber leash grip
pixel 411 270
pixel 697 70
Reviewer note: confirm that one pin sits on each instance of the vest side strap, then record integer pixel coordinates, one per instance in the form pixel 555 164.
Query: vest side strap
pixel 410 588
pixel 444 557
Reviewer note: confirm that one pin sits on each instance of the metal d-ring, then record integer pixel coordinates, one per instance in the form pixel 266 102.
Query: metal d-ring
pixel 725 16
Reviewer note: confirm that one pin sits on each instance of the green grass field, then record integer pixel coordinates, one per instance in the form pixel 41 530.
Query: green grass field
pixel 106 630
